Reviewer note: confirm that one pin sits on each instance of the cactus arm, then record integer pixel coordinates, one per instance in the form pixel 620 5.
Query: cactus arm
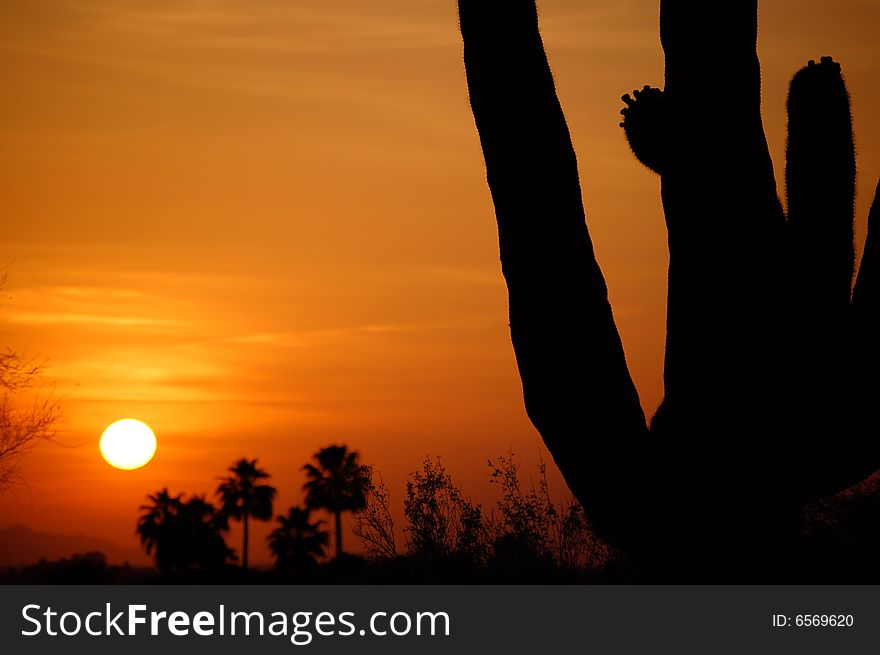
pixel 820 186
pixel 577 388
pixel 725 225
pixel 820 181
pixel 839 385
pixel 866 295
pixel 866 325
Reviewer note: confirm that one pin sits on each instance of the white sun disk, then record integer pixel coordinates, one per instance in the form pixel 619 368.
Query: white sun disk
pixel 128 444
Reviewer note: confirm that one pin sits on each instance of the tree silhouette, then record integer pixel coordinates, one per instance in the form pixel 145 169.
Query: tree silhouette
pixel 155 527
pixel 338 483
pixel 27 417
pixel 243 496
pixel 297 542
pixel 764 340
pixel 183 536
pixel 374 525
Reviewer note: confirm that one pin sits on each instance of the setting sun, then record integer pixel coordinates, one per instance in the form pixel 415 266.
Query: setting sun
pixel 128 444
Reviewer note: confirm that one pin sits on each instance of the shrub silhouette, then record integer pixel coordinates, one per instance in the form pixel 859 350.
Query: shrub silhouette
pixel 80 568
pixel 441 521
pixel 373 525
pixel 531 526
pixel 764 339
pixel 526 537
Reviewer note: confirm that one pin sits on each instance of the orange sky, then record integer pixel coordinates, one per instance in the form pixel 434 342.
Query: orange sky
pixel 262 226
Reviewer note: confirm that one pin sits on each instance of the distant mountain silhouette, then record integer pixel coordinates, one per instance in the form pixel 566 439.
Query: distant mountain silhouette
pixel 21 545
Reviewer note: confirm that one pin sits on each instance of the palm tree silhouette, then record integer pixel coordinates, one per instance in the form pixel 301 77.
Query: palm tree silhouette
pixel 199 532
pixel 183 535
pixel 154 526
pixel 297 542
pixel 337 484
pixel 244 496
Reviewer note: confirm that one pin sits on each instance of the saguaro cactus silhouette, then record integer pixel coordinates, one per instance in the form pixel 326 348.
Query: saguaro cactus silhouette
pixel 764 340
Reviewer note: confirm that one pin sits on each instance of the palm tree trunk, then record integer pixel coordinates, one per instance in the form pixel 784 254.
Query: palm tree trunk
pixel 338 534
pixel 244 554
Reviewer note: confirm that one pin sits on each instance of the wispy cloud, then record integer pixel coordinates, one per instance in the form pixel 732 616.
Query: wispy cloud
pixel 310 338
pixel 370 61
pixel 229 35
pixel 316 337
pixel 87 306
pixel 71 318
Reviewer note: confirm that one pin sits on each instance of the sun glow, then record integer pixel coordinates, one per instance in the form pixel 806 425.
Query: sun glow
pixel 128 444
